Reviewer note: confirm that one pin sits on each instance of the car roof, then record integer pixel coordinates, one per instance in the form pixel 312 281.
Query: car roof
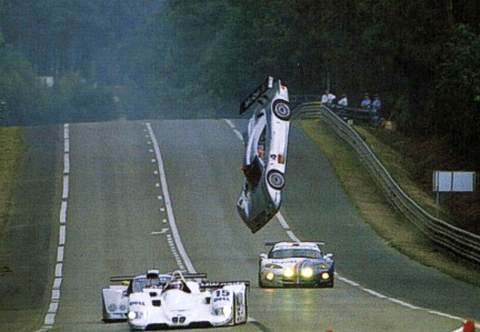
pixel 296 245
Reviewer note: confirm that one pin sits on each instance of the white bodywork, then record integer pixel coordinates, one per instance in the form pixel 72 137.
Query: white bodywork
pixel 265 153
pixel 195 304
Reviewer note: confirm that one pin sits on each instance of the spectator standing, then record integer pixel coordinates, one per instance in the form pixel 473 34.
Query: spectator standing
pixel 343 102
pixel 366 102
pixel 331 99
pixel 376 108
pixel 325 97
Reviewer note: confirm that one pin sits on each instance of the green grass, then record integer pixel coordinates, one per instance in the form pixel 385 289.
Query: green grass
pixel 396 230
pixel 11 152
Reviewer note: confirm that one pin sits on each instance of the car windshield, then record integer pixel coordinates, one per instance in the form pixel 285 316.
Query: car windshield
pixel 295 252
pixel 141 283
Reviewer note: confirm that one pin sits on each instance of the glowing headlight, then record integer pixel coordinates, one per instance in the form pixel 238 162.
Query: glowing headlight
pixel 307 272
pixel 269 276
pixel 288 272
pixel 134 315
pixel 325 276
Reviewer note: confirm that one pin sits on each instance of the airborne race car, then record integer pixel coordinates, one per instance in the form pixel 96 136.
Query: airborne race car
pixel 296 264
pixel 265 153
pixel 185 302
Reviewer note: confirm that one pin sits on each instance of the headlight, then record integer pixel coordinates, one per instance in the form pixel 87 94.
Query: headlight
pixel 323 266
pixel 288 272
pixel 325 276
pixel 307 272
pixel 134 315
pixel 269 276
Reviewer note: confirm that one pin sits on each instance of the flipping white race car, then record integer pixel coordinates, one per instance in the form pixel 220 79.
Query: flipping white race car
pixel 296 264
pixel 115 297
pixel 265 153
pixel 184 302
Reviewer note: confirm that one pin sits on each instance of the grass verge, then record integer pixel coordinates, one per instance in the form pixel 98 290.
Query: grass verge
pixel 395 229
pixel 11 152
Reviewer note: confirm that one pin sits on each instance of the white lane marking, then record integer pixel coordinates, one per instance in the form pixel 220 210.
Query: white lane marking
pixel 230 123
pixel 150 150
pixel 157 185
pixel 66 163
pixel 155 172
pixel 239 134
pixel 57 283
pixel 66 148
pixel 62 235
pixel 292 236
pixel 63 212
pixel 60 254
pixel 168 204
pixel 164 221
pixel 49 319
pixel 58 270
pixel 154 160
pixel 65 187
pixel 53 307
pixel 159 197
pixel 282 221
pixel 163 231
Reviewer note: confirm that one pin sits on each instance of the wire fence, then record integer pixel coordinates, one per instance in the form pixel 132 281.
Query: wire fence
pixel 458 240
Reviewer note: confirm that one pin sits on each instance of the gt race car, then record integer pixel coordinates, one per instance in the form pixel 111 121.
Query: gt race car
pixel 115 302
pixel 265 157
pixel 296 264
pixel 183 302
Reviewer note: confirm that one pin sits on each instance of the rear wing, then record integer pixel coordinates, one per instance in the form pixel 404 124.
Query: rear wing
pixel 259 95
pixel 186 275
pixel 271 244
pixel 219 284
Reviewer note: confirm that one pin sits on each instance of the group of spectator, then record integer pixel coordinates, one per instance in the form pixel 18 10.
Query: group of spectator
pixel 374 107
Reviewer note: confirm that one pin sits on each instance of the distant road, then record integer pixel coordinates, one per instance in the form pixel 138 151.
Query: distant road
pixel 117 201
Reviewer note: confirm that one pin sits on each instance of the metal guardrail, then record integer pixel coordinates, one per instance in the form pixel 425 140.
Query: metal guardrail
pixel 458 240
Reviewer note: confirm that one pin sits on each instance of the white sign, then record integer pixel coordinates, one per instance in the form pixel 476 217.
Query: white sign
pixel 445 181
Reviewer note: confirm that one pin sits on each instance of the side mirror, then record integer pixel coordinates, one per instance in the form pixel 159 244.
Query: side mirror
pixel 263 256
pixel 330 256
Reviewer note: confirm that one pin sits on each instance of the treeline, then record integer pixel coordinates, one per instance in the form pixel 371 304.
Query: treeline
pixel 78 43
pixel 422 57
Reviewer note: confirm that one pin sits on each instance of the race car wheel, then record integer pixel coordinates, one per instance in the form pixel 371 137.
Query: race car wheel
pixel 281 110
pixel 276 179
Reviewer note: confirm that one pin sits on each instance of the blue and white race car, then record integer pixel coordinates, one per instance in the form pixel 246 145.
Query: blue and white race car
pixel 115 302
pixel 296 264
pixel 187 303
pixel 265 160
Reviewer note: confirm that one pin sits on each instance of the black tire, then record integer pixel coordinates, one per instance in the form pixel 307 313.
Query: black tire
pixel 276 179
pixel 281 109
pixel 260 283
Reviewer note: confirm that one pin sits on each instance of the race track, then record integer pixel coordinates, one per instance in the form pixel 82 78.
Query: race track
pixel 117 200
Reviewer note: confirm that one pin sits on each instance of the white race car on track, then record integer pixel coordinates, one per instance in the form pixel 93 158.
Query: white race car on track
pixel 265 153
pixel 296 264
pixel 184 302
pixel 115 297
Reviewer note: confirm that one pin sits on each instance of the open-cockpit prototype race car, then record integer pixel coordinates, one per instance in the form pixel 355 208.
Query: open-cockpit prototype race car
pixel 265 153
pixel 179 300
pixel 115 297
pixel 296 264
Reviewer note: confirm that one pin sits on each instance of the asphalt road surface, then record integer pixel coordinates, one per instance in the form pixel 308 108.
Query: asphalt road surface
pixel 119 222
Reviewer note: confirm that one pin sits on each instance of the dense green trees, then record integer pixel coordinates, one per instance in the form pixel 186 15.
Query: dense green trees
pixel 421 56
pixel 199 58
